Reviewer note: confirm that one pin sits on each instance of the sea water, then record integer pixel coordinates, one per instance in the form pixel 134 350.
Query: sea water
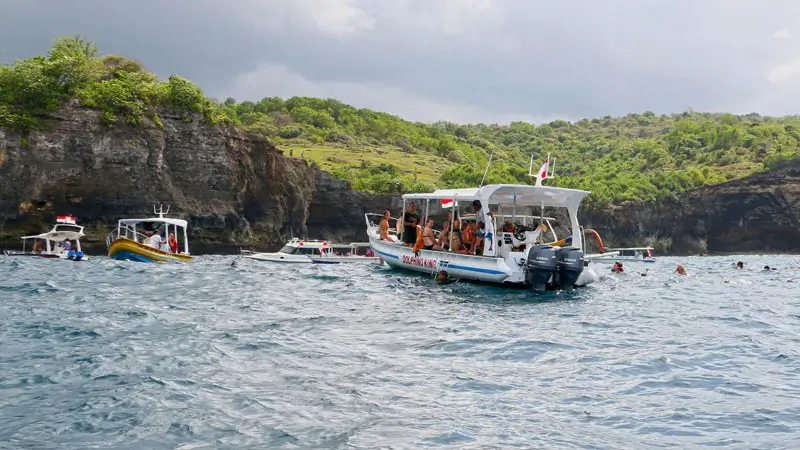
pixel 108 354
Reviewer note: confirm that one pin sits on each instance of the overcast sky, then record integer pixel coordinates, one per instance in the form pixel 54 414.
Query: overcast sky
pixel 488 61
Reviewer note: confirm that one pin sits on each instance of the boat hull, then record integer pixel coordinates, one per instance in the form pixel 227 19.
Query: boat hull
pixel 344 259
pixel 470 267
pixel 622 260
pixel 31 254
pixel 127 250
pixel 72 256
pixel 279 258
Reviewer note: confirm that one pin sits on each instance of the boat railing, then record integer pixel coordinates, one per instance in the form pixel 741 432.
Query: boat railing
pixel 128 232
pixel 374 221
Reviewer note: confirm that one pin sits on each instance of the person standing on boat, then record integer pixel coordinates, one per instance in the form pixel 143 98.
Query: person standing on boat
pixel 155 240
pixel 485 232
pixel 410 221
pixel 67 245
pixel 173 243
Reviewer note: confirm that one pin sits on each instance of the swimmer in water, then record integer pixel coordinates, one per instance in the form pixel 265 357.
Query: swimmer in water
pixel 443 278
pixel 234 264
pixel 680 270
pixel 740 265
pixel 617 267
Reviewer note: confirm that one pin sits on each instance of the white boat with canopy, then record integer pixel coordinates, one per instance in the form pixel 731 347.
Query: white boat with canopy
pixel 317 252
pixel 56 243
pixel 524 251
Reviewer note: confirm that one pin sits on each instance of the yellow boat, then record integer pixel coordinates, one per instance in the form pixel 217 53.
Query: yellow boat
pixel 145 244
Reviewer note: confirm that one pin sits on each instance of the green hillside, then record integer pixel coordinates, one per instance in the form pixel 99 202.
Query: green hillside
pixel 641 157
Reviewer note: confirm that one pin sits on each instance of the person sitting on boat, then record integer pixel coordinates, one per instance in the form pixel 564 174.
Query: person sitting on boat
pixel 67 245
pixel 155 240
pixel 384 227
pixel 428 236
pixel 455 241
pixel 410 222
pixel 37 247
pixel 173 243
pixel 466 236
pixel 369 253
pixel 444 237
pixel 617 267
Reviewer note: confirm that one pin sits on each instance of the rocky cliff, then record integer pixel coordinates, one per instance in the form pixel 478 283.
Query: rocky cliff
pixel 236 190
pixel 760 213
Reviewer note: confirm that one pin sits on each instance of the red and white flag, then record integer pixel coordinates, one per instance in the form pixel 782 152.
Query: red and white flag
pixel 543 170
pixel 65 219
pixel 448 203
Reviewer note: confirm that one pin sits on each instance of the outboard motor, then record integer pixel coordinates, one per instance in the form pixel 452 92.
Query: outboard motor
pixel 541 264
pixel 570 266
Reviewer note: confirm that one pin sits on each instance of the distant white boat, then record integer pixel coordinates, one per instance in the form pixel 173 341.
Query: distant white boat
pixel 628 254
pixel 316 252
pixel 56 243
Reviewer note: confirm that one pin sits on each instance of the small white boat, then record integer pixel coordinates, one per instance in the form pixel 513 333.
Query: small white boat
pixel 56 243
pixel 628 254
pixel 522 255
pixel 317 252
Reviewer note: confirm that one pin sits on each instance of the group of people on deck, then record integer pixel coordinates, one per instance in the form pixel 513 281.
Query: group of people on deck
pixel 155 241
pixel 467 239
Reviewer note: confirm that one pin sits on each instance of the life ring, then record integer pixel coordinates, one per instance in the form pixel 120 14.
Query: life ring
pixel 597 237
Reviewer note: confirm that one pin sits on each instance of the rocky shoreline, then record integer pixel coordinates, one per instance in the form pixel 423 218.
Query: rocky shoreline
pixel 239 191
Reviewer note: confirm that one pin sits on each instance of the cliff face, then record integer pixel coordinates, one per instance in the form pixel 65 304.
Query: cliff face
pixel 234 189
pixel 237 190
pixel 760 213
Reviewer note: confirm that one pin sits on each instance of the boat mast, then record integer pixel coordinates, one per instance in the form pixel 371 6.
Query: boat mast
pixel 486 172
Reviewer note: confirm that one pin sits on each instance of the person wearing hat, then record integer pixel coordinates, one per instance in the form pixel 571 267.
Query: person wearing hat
pixel 410 221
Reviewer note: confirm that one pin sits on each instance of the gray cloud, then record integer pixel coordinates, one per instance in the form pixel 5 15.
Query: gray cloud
pixel 463 60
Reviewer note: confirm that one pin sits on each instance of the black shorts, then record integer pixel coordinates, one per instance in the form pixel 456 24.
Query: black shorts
pixel 428 247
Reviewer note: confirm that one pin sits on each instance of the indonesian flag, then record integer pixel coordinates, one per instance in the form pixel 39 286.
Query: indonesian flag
pixel 448 203
pixel 543 170
pixel 65 219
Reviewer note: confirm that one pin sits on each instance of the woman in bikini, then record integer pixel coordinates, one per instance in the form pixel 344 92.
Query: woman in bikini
pixel 384 227
pixel 428 238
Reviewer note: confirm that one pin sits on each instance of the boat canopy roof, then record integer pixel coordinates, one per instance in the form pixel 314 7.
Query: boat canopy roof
pixel 60 232
pixel 506 194
pixel 168 220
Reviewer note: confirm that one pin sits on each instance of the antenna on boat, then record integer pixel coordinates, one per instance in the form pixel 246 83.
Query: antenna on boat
pixel 486 172
pixel 160 210
pixel 543 174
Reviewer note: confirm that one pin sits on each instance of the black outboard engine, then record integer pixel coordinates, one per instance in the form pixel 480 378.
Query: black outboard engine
pixel 570 266
pixel 542 263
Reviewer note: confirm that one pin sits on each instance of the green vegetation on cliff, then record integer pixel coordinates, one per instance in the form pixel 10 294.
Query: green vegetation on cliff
pixel 641 157
pixel 118 87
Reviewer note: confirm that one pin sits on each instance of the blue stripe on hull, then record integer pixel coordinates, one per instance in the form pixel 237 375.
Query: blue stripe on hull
pixel 125 255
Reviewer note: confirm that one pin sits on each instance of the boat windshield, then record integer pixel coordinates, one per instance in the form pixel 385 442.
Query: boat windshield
pixel 61 228
pixel 292 250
